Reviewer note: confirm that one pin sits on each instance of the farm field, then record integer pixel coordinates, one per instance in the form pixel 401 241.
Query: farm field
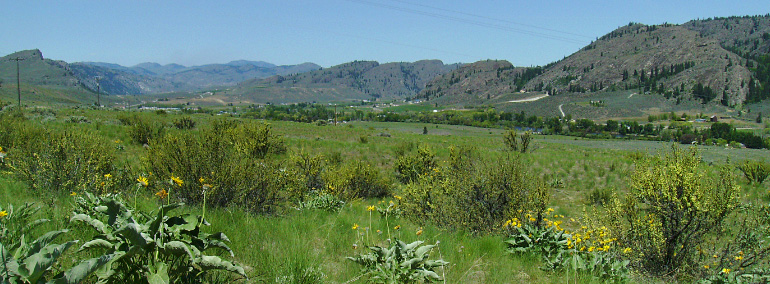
pixel 320 194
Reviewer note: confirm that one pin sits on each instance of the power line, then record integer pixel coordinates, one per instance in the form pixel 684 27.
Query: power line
pixel 475 57
pixel 472 22
pixel 494 19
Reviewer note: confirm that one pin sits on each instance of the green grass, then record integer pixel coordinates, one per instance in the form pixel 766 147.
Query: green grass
pixel 295 241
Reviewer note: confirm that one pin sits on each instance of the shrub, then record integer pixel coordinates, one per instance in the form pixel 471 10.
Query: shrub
pixel 411 166
pixel 600 196
pixel 227 158
pixel 509 138
pixel 356 179
pixel 688 138
pixel 755 171
pixel 478 198
pixel 61 161
pixel 741 248
pixel 309 169
pixel 671 208
pixel 143 131
pixel 184 123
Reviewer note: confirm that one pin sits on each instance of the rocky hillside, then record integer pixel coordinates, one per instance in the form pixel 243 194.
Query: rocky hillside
pixel 36 70
pixel 478 82
pixel 716 61
pixel 367 79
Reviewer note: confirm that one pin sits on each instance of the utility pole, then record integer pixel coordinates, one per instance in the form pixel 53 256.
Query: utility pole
pixel 18 80
pixel 98 91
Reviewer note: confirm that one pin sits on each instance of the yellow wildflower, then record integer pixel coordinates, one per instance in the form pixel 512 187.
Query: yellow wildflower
pixel 706 266
pixel 3 213
pixel 379 232
pixel 371 208
pixel 108 176
pixel 739 257
pixel 397 227
pixel 162 194
pixel 550 210
pixel 201 180
pixel 419 232
pixel 590 249
pixel 726 270
pixel 355 226
pixel 178 181
pixel 142 181
pixel 627 250
pixel 397 197
pixel 73 193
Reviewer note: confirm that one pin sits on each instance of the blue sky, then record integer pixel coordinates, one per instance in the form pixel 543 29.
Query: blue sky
pixel 331 32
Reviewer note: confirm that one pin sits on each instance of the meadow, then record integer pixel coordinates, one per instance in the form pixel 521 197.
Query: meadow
pixel 308 196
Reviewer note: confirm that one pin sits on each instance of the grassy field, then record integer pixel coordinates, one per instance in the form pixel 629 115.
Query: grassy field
pixel 296 242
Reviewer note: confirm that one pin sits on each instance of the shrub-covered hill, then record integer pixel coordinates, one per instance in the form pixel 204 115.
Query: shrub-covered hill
pixel 353 80
pixel 719 61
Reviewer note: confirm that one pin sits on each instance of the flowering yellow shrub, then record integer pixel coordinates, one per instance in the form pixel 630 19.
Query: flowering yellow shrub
pixel 673 205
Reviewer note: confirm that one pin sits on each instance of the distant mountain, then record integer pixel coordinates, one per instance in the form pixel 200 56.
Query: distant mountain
pixel 119 80
pixel 157 69
pixel 715 61
pixel 353 80
pixel 149 78
pixel 255 63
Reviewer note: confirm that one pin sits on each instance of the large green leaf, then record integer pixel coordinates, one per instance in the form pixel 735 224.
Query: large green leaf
pixel 115 210
pixel 36 265
pixel 154 224
pixel 158 274
pixel 185 222
pixel 177 248
pixel 43 241
pixel 412 245
pixel 421 251
pixel 96 243
pixel 80 272
pixel 214 262
pixel 31 225
pixel 9 264
pixel 133 232
pixel 95 223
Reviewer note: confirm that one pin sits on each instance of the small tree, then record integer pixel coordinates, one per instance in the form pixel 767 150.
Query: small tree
pixel 671 208
pixel 509 138
pixel 424 130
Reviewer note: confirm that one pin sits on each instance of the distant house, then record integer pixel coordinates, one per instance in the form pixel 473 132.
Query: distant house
pixel 714 118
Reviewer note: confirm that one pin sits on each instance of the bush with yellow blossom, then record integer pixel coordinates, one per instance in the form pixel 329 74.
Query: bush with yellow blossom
pixel 672 208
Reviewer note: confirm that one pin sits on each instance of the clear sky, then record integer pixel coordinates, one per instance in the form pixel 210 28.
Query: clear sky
pixel 331 32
